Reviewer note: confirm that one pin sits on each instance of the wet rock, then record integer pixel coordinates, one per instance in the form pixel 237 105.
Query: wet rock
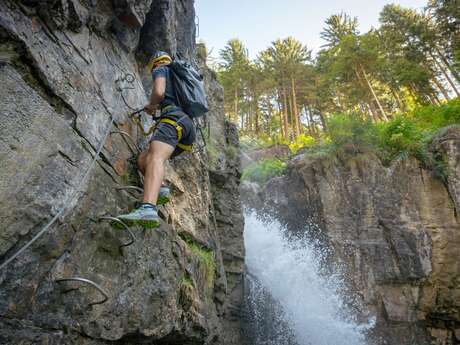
pixel 396 229
pixel 250 193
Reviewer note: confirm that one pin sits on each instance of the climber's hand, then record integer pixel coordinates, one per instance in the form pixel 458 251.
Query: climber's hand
pixel 149 109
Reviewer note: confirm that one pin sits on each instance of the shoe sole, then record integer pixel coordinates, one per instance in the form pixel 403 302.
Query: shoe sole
pixel 148 224
pixel 117 225
pixel 162 200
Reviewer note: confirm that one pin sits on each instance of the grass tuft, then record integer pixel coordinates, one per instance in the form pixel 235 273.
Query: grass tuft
pixel 264 170
pixel 205 258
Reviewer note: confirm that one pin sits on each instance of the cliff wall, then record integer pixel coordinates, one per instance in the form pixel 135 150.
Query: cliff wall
pixel 66 71
pixel 395 230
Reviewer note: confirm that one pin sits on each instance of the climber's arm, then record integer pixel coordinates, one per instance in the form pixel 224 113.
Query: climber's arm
pixel 157 95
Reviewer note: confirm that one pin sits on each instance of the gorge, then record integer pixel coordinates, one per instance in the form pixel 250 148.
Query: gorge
pixel 390 232
pixel 340 250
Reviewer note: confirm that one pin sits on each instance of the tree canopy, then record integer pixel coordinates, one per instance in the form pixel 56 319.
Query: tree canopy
pixel 285 94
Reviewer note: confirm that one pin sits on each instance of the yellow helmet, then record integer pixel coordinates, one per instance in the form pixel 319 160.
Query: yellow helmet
pixel 159 58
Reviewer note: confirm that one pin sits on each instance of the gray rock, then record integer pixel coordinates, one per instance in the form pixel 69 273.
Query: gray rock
pixel 64 79
pixel 395 229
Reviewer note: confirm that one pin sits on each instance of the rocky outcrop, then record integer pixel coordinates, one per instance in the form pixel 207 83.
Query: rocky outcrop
pixel 271 152
pixel 66 71
pixel 395 229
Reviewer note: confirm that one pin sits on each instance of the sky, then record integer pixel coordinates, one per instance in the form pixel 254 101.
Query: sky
pixel 258 22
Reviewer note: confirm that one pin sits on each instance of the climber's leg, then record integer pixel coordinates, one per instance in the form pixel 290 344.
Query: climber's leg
pixel 164 194
pixel 159 152
pixel 147 214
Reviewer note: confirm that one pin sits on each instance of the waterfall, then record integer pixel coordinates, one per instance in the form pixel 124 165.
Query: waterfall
pixel 289 302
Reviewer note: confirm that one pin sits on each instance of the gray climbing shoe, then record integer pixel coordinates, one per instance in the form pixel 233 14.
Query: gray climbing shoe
pixel 145 215
pixel 164 195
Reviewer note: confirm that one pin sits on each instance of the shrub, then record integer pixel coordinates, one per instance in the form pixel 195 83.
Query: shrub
pixel 303 141
pixel 402 136
pixel 321 149
pixel 435 117
pixel 405 135
pixel 352 129
pixel 264 170
pixel 248 143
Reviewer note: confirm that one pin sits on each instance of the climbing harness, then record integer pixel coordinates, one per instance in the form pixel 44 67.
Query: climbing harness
pixel 129 78
pixel 136 117
pixel 162 119
pixel 89 282
pixel 178 128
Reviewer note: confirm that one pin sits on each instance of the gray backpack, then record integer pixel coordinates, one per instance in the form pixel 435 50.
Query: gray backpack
pixel 189 88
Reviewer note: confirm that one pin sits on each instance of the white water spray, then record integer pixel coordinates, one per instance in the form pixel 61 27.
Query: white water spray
pixel 311 304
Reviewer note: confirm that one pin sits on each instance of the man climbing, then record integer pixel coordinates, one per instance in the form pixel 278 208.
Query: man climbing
pixel 173 134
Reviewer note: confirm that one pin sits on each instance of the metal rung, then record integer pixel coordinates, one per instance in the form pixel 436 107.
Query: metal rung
pixel 126 227
pixel 127 135
pixel 136 198
pixel 138 189
pixel 89 282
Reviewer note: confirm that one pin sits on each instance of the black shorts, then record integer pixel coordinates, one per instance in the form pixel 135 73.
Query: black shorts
pixel 167 133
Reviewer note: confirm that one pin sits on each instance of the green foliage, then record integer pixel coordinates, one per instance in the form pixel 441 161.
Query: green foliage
pixel 324 148
pixel 435 117
pixel 231 151
pixel 337 27
pixel 186 291
pixel 186 281
pixel 352 130
pixel 125 177
pixel 412 134
pixel 202 51
pixel 387 90
pixel 214 153
pixel 129 176
pixel 403 136
pixel 303 141
pixel 264 170
pixel 205 258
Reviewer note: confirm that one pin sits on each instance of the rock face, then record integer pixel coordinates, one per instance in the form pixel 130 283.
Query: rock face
pixel 66 71
pixel 395 229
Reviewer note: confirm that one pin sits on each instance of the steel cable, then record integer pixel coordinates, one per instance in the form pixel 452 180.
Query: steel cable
pixel 62 211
